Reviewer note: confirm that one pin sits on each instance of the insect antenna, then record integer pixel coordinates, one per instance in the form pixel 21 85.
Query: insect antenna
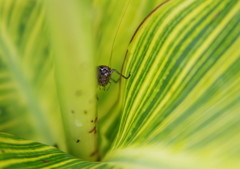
pixel 114 70
pixel 116 33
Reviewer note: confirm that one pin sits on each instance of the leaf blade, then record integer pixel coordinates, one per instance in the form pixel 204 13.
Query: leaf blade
pixel 20 153
pixel 183 93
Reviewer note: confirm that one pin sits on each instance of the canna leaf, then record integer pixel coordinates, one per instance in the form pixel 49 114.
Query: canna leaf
pixel 20 153
pixel 180 107
pixel 123 17
pixel 183 93
pixel 28 98
pixel 75 74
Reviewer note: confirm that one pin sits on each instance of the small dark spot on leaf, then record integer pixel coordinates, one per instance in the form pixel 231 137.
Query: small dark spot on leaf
pixel 216 15
pixel 94 153
pixel 77 141
pixel 45 161
pixel 72 111
pixel 98 159
pixel 94 130
pixel 78 93
pixel 85 111
pixel 55 145
pixel 96 119
pixel 97 97
pixel 2 151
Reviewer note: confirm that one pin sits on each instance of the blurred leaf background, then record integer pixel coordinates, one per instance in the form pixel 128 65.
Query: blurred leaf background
pixel 179 109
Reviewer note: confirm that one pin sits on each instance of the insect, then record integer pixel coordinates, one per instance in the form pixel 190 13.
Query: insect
pixel 104 75
pixel 104 72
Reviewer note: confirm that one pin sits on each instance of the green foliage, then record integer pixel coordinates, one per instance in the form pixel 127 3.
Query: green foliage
pixel 179 109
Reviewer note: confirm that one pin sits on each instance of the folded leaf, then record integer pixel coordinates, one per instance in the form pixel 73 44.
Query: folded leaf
pixel 75 72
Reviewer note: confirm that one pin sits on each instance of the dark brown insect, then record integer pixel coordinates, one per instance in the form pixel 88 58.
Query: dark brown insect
pixel 104 75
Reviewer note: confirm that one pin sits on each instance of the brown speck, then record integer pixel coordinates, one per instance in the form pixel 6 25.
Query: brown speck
pixel 2 151
pixel 77 141
pixel 55 145
pixel 216 15
pixel 97 97
pixel 85 111
pixel 94 130
pixel 98 159
pixel 94 153
pixel 78 93
pixel 96 119
pixel 45 161
pixel 72 111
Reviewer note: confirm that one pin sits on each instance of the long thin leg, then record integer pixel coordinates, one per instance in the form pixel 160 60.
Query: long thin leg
pixel 114 70
pixel 115 81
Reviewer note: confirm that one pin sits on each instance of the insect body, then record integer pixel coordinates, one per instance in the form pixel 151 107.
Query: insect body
pixel 104 75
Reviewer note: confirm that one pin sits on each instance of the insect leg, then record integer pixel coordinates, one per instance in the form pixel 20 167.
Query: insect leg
pixel 106 87
pixel 115 81
pixel 114 70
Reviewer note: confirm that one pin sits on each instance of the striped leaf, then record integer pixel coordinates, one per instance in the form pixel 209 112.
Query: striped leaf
pixel 184 92
pixel 179 109
pixel 112 37
pixel 19 153
pixel 28 97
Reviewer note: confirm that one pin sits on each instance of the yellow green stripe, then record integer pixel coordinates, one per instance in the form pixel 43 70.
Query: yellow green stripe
pixel 176 79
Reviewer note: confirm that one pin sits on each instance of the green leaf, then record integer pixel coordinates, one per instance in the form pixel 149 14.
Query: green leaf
pixel 27 53
pixel 19 153
pixel 179 109
pixel 29 106
pixel 119 20
pixel 184 90
pixel 75 74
